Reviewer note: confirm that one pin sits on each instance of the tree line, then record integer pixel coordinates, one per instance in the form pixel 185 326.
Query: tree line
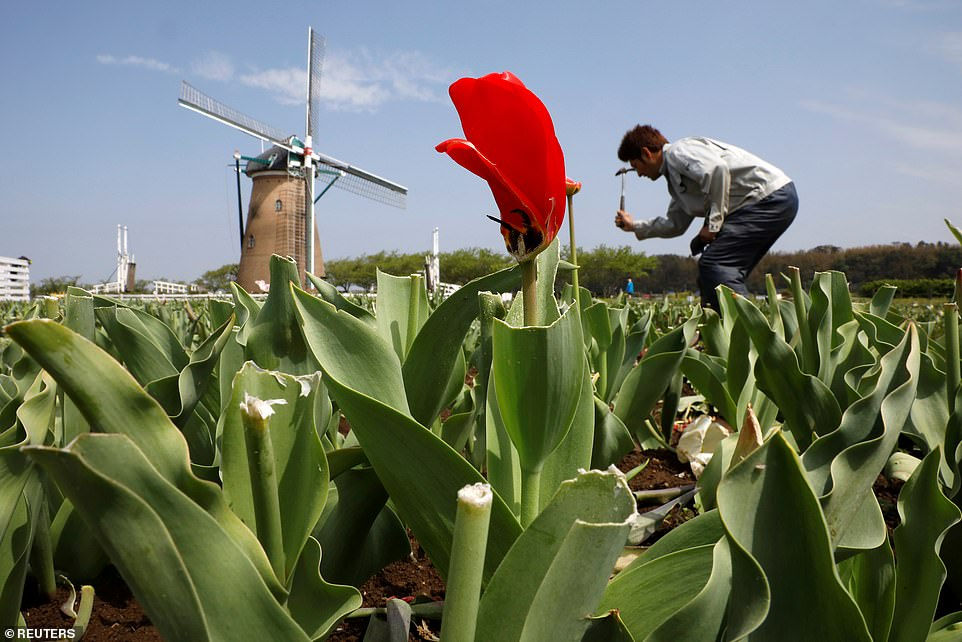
pixel 868 266
pixel 605 269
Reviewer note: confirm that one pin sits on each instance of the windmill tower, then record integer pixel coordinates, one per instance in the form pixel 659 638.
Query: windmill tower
pixel 281 210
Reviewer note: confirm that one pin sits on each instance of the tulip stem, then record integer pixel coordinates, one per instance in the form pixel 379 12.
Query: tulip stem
pixel 574 248
pixel 467 562
pixel 530 496
pixel 260 461
pixel 529 290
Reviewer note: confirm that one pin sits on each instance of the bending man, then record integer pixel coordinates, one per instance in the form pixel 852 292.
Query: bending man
pixel 746 203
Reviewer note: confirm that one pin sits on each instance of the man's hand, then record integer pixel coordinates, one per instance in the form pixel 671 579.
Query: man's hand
pixel 703 238
pixel 624 221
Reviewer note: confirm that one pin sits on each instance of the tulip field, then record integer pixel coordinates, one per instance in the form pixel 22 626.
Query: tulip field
pixel 246 467
pixel 206 460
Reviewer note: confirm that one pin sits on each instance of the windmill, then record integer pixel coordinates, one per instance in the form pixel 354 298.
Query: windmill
pixel 280 216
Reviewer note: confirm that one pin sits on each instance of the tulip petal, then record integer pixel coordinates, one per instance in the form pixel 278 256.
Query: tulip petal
pixel 508 197
pixel 511 128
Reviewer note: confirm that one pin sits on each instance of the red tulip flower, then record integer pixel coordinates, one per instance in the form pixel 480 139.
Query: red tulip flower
pixel 510 142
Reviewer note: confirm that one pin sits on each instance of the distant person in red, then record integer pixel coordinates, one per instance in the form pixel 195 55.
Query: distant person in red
pixel 746 203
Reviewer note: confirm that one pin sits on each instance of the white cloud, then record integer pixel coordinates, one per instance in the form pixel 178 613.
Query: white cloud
pixel 213 65
pixel 932 129
pixel 359 80
pixel 925 125
pixel 137 61
pixel 289 86
pixel 938 173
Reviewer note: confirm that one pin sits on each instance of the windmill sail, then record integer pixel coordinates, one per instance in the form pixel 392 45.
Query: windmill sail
pixel 315 63
pixel 358 181
pixel 196 100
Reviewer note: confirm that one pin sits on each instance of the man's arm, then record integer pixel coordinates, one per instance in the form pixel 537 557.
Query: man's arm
pixel 674 223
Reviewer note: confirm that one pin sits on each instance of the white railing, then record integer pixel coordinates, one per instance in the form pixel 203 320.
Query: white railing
pixel 106 288
pixel 166 287
pixel 14 279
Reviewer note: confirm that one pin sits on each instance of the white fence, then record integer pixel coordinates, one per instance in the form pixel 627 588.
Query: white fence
pixel 14 279
pixel 167 287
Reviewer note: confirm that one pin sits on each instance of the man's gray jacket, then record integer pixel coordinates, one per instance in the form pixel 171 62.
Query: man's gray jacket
pixel 708 178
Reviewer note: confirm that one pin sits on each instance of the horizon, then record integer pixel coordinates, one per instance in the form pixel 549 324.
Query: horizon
pixel 860 103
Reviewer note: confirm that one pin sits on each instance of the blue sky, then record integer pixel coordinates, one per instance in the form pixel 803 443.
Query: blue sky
pixel 859 101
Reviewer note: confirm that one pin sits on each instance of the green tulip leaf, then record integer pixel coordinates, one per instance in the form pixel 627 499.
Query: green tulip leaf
pixel 316 605
pixel 765 502
pixel 732 603
pixel 275 341
pixel 76 551
pixel 434 353
pixel 329 293
pixel 503 464
pixel 20 488
pixel 300 467
pixel 538 375
pixel 574 452
pixel 843 464
pixel 246 309
pixel 174 556
pixel 553 577
pixel 179 394
pixel 420 472
pixel 113 402
pixel 351 351
pixel 870 579
pixel 946 629
pixel 612 441
pixel 148 352
pixel 359 534
pixel 402 308
pixel 926 517
pixel 647 383
pixel 808 405
pixel 647 594
pixel 707 375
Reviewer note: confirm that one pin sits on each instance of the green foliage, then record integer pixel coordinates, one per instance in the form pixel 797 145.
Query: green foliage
pixel 55 285
pixel 218 279
pixel 604 270
pixel 912 288
pixel 861 265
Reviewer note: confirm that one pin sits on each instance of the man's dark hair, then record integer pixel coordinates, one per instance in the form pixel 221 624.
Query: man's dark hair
pixel 641 136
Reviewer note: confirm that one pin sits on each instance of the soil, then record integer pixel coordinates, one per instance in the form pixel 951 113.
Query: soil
pixel 413 578
pixel 887 493
pixel 663 469
pixel 116 617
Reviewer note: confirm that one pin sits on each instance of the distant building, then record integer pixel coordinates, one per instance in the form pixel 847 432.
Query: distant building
pixel 14 279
